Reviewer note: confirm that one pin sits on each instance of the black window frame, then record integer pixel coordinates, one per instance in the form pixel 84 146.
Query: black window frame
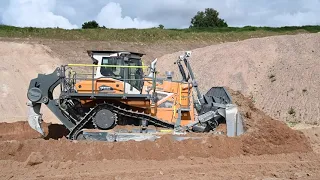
pixel 137 82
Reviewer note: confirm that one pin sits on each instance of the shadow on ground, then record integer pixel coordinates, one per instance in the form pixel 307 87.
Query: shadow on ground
pixel 56 131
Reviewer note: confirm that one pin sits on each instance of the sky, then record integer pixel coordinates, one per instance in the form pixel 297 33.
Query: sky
pixel 70 14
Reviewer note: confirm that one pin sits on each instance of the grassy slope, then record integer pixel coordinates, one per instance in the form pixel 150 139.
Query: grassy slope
pixel 154 34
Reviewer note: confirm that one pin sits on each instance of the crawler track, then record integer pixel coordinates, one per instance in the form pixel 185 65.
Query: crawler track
pixel 119 110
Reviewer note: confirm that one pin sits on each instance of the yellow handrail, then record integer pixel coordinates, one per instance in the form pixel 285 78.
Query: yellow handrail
pixel 146 67
pixel 94 65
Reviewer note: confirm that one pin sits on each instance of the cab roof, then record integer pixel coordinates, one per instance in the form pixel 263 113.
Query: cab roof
pixel 90 52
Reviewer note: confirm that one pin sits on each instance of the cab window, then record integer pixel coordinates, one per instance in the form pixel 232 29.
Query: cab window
pixel 133 75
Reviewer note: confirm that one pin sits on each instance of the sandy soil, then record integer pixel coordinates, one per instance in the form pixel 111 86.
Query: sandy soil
pixel 292 166
pixel 264 69
pixel 313 133
pixel 20 63
pixel 76 51
pixel 269 149
pixel 278 73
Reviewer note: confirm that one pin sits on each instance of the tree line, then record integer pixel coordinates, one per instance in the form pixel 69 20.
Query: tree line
pixel 209 18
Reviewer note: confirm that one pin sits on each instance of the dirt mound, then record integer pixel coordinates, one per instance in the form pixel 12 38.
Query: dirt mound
pixel 17 131
pixel 313 134
pixel 22 131
pixel 19 64
pixel 280 74
pixel 264 136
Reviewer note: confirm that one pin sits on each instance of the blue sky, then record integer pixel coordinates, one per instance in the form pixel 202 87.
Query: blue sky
pixel 150 13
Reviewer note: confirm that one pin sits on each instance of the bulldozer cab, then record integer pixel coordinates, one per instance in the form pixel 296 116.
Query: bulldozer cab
pixel 121 65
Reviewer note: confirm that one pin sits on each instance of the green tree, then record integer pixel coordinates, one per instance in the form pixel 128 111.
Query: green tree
pixel 90 25
pixel 161 26
pixel 208 18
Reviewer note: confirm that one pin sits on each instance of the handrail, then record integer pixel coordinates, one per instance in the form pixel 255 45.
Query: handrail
pixel 126 67
pixel 94 65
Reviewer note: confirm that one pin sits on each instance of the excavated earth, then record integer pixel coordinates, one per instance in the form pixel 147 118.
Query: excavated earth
pixel 270 149
pixel 280 74
pixel 264 136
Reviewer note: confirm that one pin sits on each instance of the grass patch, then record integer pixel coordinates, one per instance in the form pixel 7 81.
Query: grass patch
pixel 154 34
pixel 292 123
pixel 310 29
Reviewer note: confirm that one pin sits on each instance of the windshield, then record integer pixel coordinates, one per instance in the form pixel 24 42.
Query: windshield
pixel 131 75
pixel 111 71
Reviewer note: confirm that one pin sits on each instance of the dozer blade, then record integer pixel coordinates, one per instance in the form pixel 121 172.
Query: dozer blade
pixel 35 117
pixel 234 121
pixel 219 98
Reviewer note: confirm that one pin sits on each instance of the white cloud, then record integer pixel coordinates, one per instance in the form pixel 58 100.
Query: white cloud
pixel 150 13
pixel 111 17
pixel 35 13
